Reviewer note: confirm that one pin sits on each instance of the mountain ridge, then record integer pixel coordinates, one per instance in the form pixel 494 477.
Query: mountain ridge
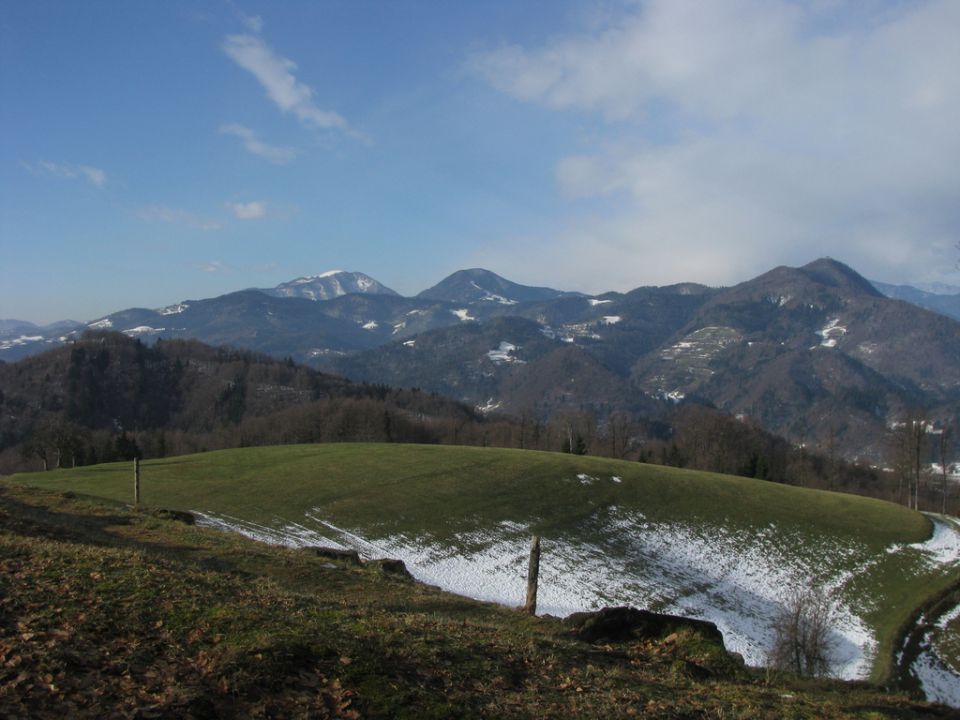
pixel 750 349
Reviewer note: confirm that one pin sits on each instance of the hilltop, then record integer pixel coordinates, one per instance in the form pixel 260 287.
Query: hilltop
pixel 716 547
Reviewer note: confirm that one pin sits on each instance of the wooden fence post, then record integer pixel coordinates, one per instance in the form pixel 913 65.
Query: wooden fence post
pixel 136 482
pixel 533 572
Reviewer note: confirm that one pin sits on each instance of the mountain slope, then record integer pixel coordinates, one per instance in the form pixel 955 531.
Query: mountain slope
pixel 765 349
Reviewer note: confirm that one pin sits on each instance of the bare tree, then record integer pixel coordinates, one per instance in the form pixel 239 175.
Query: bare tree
pixel 802 643
pixel 943 443
pixel 618 432
pixel 908 447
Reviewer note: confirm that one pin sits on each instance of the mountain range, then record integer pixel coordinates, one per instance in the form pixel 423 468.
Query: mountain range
pixel 817 354
pixel 946 299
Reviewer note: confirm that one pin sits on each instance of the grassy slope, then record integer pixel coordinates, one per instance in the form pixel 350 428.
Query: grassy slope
pixel 382 490
pixel 106 613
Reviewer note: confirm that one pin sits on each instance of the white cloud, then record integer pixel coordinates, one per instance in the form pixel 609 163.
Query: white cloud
pixel 67 171
pixel 248 211
pixel 275 74
pixel 215 266
pixel 173 216
pixel 742 134
pixel 273 153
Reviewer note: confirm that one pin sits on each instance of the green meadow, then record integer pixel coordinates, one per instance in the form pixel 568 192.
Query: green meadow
pixel 444 494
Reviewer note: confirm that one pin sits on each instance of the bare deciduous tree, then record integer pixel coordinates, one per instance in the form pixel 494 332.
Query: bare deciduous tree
pixel 943 444
pixel 803 643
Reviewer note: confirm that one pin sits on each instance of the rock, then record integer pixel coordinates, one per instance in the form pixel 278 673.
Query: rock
pixel 351 557
pixel 392 567
pixel 178 515
pixel 623 624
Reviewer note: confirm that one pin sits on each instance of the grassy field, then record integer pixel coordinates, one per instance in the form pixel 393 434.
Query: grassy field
pixel 110 613
pixel 467 500
pixel 443 490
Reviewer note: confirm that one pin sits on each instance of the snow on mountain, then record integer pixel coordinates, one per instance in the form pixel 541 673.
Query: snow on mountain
pixel 174 309
pixel 329 285
pixel 831 333
pixel 142 330
pixel 504 354
pixel 21 340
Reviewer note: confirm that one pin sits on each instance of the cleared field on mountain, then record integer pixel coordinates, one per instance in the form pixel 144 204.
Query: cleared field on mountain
pixel 723 548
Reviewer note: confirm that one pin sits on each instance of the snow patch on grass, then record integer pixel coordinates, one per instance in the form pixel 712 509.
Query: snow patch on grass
pixel 738 578
pixel 289 534
pixel 939 681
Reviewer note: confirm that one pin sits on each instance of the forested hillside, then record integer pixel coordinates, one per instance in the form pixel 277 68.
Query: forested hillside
pixel 109 397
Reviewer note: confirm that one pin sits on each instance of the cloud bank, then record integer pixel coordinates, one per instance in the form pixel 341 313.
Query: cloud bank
pixel 728 137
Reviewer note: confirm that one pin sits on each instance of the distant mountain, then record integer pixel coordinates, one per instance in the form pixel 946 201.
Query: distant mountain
pixel 20 339
pixel 815 353
pixel 938 288
pixel 482 286
pixel 941 302
pixel 329 285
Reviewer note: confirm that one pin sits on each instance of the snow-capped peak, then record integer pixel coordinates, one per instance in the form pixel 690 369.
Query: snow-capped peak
pixel 329 285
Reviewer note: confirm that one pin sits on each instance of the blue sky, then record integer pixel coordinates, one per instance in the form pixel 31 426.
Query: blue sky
pixel 152 152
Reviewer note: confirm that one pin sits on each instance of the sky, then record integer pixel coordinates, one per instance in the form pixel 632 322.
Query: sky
pixel 153 152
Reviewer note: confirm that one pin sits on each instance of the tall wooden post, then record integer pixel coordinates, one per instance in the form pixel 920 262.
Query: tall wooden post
pixel 136 482
pixel 533 572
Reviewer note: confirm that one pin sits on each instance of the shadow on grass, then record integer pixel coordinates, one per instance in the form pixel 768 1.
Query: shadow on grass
pixel 43 522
